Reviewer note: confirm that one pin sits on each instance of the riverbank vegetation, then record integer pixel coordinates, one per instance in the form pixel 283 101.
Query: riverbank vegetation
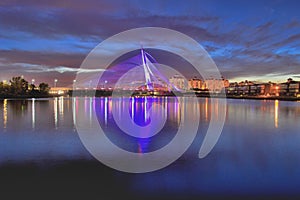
pixel 18 87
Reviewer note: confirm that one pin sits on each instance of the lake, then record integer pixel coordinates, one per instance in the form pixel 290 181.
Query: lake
pixel 257 154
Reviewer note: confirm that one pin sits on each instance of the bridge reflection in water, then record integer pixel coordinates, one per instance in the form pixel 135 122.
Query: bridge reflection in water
pixel 139 109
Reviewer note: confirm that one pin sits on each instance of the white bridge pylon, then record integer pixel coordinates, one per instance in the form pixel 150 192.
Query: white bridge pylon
pixel 147 70
pixel 152 74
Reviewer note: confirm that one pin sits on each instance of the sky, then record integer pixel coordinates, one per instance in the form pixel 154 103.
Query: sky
pixel 44 40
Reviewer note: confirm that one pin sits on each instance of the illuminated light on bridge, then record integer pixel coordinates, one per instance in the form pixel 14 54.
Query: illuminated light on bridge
pixel 59 91
pixel 140 73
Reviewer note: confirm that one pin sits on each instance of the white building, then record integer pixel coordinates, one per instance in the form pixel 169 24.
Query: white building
pixel 178 81
pixel 195 83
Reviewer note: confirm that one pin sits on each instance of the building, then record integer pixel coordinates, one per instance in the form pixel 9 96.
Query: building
pixel 294 87
pixel 59 90
pixel 195 84
pixel 215 85
pixel 252 89
pixel 225 82
pixel 289 88
pixel 245 83
pixel 178 81
pixel 232 88
pixel 209 85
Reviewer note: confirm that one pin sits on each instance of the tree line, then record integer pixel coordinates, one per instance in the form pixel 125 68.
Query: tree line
pixel 18 87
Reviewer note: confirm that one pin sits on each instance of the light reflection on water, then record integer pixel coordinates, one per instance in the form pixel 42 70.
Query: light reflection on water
pixel 276 103
pixel 4 113
pixel 260 140
pixel 55 113
pixel 61 112
pixel 33 113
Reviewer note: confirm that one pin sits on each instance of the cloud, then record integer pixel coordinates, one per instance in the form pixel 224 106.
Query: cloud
pixel 42 58
pixel 252 43
pixel 91 18
pixel 33 68
pixel 296 76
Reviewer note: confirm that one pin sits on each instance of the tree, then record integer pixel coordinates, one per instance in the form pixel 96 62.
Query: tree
pixel 32 87
pixel 18 86
pixel 44 88
pixel 33 90
pixel 3 88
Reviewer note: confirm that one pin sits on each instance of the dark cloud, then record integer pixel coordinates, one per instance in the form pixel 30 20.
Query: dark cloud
pixel 242 44
pixel 87 23
pixel 41 58
pixel 257 64
pixel 293 24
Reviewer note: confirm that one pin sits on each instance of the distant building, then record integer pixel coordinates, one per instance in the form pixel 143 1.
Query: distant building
pixel 59 90
pixel 216 85
pixel 195 84
pixel 178 81
pixel 252 89
pixel 245 83
pixel 225 82
pixel 289 88
pixel 268 89
pixel 232 88
pixel 209 85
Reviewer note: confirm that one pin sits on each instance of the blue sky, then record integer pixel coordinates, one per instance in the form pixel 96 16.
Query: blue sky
pixel 254 40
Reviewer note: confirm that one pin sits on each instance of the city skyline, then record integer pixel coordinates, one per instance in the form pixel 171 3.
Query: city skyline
pixel 257 40
pixel 55 82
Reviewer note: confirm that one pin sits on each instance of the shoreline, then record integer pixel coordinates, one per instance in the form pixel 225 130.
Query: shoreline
pixel 267 98
pixel 280 98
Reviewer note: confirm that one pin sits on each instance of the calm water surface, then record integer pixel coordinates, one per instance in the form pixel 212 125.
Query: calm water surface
pixel 258 152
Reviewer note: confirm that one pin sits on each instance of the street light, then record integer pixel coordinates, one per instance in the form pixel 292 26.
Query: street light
pixel 32 81
pixel 55 82
pixel 74 81
pixel 105 84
